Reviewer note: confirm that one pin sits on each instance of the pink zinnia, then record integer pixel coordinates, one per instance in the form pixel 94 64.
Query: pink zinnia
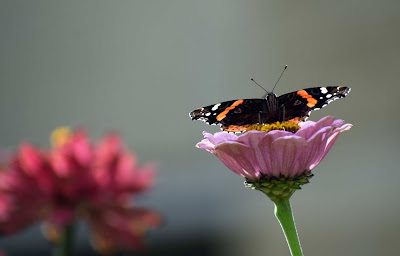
pixel 78 180
pixel 277 153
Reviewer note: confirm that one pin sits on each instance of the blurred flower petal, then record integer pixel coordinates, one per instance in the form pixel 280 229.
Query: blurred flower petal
pixel 78 180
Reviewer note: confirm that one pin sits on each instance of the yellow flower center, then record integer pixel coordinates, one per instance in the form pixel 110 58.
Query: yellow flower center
pixel 60 136
pixel 286 126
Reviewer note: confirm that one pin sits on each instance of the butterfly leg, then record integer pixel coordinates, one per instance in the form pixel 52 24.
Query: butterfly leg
pixel 283 112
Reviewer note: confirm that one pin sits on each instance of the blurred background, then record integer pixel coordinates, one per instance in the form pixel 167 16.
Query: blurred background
pixel 139 67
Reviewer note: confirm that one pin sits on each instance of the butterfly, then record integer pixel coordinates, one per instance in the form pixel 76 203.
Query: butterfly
pixel 238 115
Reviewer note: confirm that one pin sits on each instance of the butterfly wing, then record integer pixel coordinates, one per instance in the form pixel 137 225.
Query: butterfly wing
pixel 298 105
pixel 234 115
pixel 238 115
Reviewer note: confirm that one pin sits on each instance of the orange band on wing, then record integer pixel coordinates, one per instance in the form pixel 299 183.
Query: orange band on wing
pixel 222 115
pixel 304 94
pixel 311 102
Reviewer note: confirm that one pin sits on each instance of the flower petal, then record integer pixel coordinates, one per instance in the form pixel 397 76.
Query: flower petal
pixel 288 155
pixel 62 216
pixel 211 141
pixel 316 147
pixel 251 138
pixel 242 159
pixel 80 147
pixel 331 139
pixel 30 159
pixel 122 228
pixel 309 128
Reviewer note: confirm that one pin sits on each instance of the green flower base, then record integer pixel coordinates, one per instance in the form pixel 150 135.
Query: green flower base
pixel 279 188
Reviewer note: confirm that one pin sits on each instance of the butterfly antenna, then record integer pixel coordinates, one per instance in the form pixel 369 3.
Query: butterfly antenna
pixel 279 77
pixel 258 84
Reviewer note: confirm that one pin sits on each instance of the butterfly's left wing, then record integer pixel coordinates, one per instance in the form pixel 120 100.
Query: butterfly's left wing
pixel 297 105
pixel 233 115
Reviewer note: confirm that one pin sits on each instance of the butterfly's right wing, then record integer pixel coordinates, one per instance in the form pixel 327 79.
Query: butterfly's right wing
pixel 296 106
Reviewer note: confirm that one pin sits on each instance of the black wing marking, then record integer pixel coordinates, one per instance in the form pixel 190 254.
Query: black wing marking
pixel 299 104
pixel 237 112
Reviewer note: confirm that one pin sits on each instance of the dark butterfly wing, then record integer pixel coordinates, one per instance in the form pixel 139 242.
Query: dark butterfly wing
pixel 238 115
pixel 298 105
pixel 234 115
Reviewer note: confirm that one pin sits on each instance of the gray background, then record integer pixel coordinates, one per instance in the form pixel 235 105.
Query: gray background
pixel 139 67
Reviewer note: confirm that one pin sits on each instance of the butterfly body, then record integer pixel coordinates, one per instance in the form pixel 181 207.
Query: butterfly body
pixel 237 115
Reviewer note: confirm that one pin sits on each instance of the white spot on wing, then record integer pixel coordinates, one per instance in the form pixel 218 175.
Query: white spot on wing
pixel 324 90
pixel 216 106
pixel 328 95
pixel 208 114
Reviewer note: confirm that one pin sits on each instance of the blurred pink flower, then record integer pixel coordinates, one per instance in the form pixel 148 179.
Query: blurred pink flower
pixel 276 153
pixel 78 180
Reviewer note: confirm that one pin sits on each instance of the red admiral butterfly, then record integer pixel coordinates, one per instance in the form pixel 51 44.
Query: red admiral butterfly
pixel 238 115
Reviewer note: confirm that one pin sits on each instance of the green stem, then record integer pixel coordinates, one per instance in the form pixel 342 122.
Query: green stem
pixel 65 246
pixel 283 213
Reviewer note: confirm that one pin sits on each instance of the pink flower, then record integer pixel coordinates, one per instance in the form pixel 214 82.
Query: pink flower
pixel 78 180
pixel 126 226
pixel 276 153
